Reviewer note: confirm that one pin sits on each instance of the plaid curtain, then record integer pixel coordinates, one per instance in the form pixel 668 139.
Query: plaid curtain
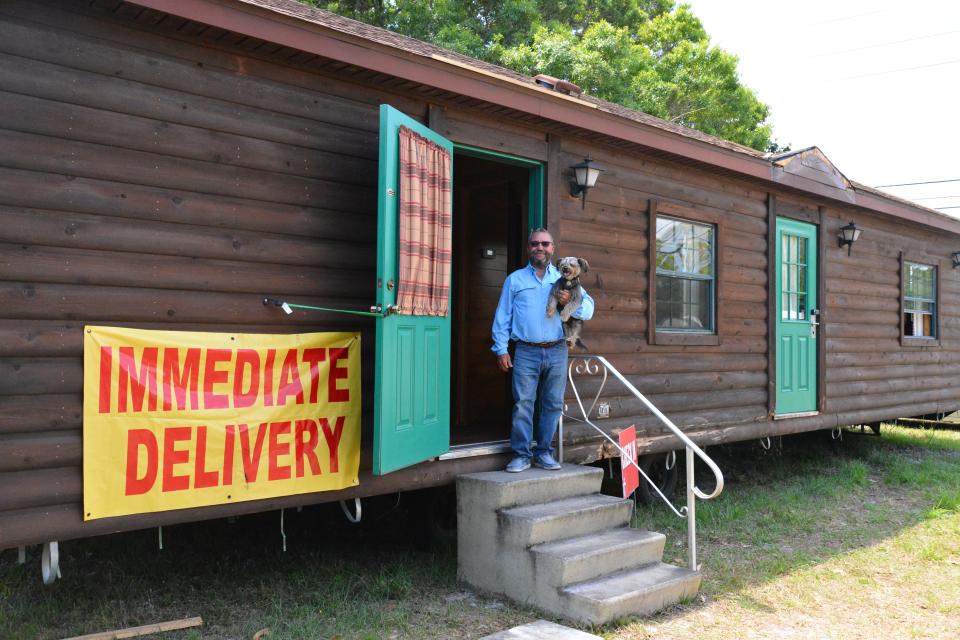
pixel 425 226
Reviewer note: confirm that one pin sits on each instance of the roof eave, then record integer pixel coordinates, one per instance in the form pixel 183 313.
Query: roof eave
pixel 866 200
pixel 272 26
pixel 279 28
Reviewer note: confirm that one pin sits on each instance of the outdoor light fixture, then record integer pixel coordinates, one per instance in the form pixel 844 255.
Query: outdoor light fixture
pixel 586 174
pixel 956 259
pixel 848 235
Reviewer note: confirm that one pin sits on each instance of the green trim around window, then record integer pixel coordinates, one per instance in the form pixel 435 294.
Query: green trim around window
pixel 535 217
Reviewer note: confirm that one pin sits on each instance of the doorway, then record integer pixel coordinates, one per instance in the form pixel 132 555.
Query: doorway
pixel 496 200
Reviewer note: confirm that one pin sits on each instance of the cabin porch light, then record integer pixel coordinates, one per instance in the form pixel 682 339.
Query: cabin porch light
pixel 585 174
pixel 848 235
pixel 956 259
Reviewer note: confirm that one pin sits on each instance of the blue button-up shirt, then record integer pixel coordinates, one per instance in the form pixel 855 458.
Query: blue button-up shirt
pixel 522 311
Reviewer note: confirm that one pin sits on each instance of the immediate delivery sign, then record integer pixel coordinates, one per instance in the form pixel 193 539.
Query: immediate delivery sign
pixel 176 419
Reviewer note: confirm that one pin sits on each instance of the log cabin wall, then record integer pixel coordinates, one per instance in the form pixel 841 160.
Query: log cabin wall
pixel 150 178
pixel 871 373
pixel 695 385
pixel 718 393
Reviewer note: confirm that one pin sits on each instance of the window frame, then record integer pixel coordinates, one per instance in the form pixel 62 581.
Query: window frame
pixel 929 261
pixel 663 336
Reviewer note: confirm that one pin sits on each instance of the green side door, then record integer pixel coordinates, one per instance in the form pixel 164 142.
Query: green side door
pixel 796 341
pixel 411 410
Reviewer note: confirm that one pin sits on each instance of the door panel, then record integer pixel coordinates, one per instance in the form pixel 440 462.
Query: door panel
pixel 412 380
pixel 796 291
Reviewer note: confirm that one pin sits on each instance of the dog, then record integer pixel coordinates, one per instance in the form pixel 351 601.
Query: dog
pixel 570 270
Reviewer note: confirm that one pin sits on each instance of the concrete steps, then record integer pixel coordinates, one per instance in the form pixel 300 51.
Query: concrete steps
pixel 549 539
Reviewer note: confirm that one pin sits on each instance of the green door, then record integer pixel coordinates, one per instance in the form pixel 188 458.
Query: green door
pixel 411 409
pixel 796 289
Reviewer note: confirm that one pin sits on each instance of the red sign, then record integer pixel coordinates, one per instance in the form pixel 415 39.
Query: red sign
pixel 629 473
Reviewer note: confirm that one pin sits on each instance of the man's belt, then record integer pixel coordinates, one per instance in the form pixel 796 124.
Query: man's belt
pixel 542 345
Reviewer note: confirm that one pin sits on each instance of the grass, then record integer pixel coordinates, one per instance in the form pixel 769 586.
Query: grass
pixel 335 581
pixel 808 540
pixel 821 541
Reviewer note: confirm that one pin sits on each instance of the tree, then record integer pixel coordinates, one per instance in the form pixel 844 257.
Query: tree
pixel 648 55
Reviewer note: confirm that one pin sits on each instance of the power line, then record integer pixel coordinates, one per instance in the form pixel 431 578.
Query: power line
pixel 885 73
pixel 937 198
pixel 941 208
pixel 876 46
pixel 910 184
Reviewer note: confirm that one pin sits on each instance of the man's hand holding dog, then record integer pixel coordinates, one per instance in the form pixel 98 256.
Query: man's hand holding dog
pixel 504 362
pixel 563 296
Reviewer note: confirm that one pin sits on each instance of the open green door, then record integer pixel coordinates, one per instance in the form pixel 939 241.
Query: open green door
pixel 796 287
pixel 411 412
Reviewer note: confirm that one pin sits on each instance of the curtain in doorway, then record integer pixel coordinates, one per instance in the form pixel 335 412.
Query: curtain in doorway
pixel 426 233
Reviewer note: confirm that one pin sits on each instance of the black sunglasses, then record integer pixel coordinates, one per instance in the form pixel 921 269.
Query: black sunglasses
pixel 541 243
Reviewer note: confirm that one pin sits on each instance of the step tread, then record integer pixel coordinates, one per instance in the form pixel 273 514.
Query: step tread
pixel 609 541
pixel 564 507
pixel 631 583
pixel 533 475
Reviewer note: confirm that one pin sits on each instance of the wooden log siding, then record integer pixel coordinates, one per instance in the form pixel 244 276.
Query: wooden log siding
pixel 866 367
pixel 696 385
pixel 157 187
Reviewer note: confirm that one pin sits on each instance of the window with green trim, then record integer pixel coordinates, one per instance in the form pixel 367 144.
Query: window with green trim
pixel 686 280
pixel 919 300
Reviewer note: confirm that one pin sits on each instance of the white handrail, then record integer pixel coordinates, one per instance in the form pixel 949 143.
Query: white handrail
pixel 585 365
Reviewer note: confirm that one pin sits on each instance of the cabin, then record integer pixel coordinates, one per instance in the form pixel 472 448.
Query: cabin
pixel 169 164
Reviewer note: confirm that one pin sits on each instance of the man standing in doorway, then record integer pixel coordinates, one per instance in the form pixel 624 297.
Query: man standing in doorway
pixel 539 364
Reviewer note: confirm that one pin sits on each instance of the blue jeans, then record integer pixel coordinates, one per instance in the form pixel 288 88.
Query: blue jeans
pixel 536 369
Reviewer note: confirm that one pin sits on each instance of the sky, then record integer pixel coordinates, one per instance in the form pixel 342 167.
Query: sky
pixel 875 85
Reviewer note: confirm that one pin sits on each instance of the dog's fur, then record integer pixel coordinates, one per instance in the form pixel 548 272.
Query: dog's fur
pixel 570 270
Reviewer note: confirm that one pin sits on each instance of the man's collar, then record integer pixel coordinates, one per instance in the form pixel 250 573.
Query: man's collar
pixel 549 268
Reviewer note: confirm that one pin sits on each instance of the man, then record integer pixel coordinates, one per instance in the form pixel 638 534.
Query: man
pixel 539 364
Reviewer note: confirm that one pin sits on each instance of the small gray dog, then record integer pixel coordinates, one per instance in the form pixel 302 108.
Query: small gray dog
pixel 570 270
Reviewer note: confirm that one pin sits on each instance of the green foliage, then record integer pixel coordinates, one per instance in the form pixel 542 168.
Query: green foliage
pixel 648 55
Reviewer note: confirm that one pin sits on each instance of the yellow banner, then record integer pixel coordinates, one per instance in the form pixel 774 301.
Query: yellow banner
pixel 177 419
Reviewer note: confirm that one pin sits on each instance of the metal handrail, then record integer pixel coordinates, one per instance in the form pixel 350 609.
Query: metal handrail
pixel 585 365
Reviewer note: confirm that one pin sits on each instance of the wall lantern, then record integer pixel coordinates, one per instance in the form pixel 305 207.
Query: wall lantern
pixel 848 235
pixel 956 259
pixel 586 174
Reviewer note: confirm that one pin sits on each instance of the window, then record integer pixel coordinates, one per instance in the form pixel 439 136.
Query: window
pixel 685 276
pixel 793 287
pixel 919 300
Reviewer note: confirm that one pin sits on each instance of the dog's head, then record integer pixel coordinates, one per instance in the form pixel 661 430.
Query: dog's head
pixel 571 267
